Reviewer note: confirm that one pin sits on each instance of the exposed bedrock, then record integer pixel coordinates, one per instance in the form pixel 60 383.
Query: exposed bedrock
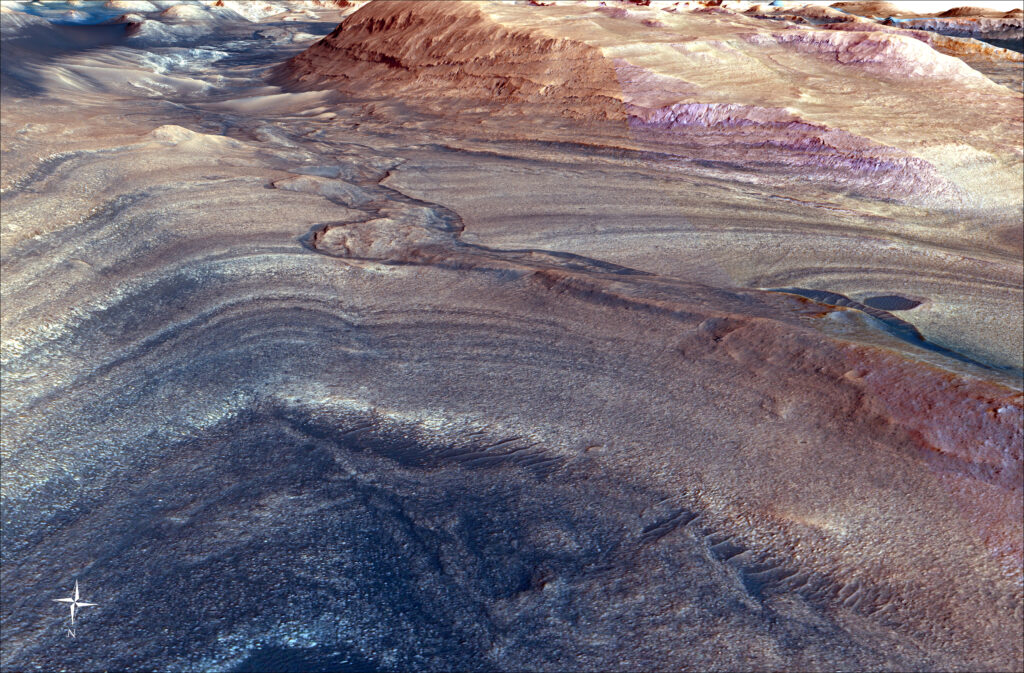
pixel 777 140
pixel 452 50
pixel 1009 28
pixel 664 399
pixel 1003 29
pixel 864 110
pixel 663 344
pixel 777 438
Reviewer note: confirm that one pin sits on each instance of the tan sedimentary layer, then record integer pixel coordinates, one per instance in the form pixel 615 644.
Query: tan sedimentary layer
pixel 869 7
pixel 464 61
pixel 973 11
pixel 822 118
pixel 955 46
pixel 445 49
pixel 947 44
pixel 887 9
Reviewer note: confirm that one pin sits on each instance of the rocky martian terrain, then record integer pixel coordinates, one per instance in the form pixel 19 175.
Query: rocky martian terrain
pixel 527 336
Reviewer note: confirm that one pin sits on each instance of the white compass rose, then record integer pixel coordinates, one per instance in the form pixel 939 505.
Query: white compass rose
pixel 75 602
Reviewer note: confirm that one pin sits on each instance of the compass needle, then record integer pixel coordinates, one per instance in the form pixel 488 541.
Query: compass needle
pixel 75 603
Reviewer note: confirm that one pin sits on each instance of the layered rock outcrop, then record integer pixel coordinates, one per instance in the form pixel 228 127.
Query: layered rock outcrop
pixel 629 66
pixel 455 51
pixel 681 338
